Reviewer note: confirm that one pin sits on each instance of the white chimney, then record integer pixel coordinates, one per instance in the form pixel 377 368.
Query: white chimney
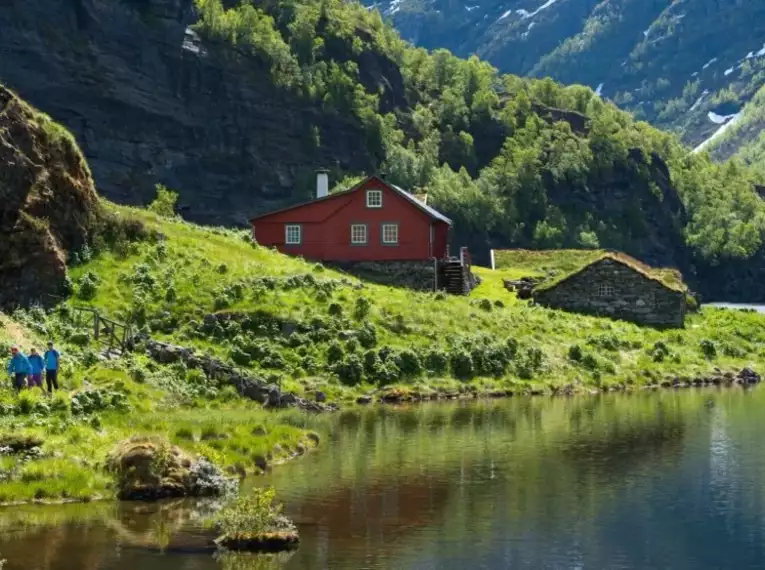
pixel 322 183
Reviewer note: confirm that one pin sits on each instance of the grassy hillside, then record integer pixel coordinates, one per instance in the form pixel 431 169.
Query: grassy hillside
pixel 54 449
pixel 309 328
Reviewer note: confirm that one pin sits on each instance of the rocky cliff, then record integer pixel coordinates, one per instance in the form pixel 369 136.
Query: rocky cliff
pixel 149 103
pixel 48 205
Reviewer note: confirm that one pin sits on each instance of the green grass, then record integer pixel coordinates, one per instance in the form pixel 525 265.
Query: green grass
pixel 279 294
pixel 234 433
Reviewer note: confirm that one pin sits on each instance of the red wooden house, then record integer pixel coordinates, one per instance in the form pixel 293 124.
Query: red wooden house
pixel 373 221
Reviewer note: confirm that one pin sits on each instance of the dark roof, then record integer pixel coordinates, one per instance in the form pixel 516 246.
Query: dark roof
pixel 432 212
pixel 669 278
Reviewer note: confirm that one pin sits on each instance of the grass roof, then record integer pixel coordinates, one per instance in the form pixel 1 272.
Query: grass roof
pixel 561 264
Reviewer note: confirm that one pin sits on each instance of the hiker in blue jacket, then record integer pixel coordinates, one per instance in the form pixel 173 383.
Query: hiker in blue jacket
pixel 37 364
pixel 52 362
pixel 18 367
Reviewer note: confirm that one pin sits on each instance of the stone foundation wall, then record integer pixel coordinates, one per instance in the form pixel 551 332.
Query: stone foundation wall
pixel 635 297
pixel 417 275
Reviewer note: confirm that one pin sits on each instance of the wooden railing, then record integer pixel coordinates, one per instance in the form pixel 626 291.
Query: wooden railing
pixel 104 330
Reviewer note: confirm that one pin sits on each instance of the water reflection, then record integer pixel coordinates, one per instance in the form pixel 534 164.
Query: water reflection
pixel 648 480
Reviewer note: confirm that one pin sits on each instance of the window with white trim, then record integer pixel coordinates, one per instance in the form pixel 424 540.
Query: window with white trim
pixel 374 198
pixel 293 234
pixel 358 234
pixel 390 234
pixel 606 290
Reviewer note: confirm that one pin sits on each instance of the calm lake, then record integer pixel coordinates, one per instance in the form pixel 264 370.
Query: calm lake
pixel 650 480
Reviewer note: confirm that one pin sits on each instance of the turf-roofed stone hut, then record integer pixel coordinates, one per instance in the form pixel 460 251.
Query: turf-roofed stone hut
pixel 618 286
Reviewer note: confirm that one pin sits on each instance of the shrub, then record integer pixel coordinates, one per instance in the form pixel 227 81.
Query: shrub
pixel 240 357
pixel 462 365
pixel 575 353
pixel 251 515
pixel 499 304
pixel 361 308
pixel 437 362
pixel 87 286
pixel 659 351
pixel 409 363
pixel 485 305
pixel 367 335
pixel 708 349
pixel 165 201
pixel 335 353
pixel 335 309
pixel 590 362
pixel 222 268
pixel 350 371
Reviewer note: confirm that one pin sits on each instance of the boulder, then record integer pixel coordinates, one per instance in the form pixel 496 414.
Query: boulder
pixel 150 468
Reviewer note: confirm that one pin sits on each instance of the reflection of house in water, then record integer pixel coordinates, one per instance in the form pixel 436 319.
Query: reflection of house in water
pixel 388 510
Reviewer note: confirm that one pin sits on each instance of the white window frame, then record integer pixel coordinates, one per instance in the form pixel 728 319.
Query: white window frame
pixel 606 290
pixel 356 237
pixel 384 237
pixel 377 202
pixel 292 230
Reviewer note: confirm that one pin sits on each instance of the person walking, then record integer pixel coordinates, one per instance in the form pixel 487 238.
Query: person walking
pixel 36 364
pixel 52 362
pixel 18 367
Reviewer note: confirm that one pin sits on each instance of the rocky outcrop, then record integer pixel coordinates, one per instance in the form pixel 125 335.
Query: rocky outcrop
pixel 149 102
pixel 248 386
pixel 48 204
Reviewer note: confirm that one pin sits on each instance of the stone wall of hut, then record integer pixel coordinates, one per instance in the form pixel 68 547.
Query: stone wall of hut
pixel 612 289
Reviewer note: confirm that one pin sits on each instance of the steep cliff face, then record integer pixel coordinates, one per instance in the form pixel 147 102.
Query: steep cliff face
pixel 149 103
pixel 48 205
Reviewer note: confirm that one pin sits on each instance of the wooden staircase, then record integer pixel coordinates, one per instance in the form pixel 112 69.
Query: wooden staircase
pixel 456 278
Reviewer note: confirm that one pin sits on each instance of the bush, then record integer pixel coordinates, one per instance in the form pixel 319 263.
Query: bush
pixel 575 353
pixel 462 365
pixel 335 309
pixel 708 349
pixel 485 305
pixel 367 335
pixel 362 308
pixel 437 362
pixel 409 363
pixel 240 357
pixel 350 371
pixel 335 353
pixel 87 286
pixel 590 362
pixel 659 352
pixel 165 201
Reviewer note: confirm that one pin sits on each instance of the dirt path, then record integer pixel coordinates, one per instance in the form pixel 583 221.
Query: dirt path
pixel 14 332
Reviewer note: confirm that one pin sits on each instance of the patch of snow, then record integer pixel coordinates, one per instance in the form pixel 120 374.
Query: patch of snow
pixel 706 65
pixel 505 15
pixel 761 52
pixel 750 55
pixel 730 70
pixel 698 101
pixel 719 119
pixel 394 7
pixel 719 132
pixel 526 33
pixel 695 74
pixel 646 32
pixel 470 8
pixel 523 13
pixel 544 6
pixel 599 90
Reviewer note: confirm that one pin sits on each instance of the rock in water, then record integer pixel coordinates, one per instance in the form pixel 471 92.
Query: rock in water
pixel 150 468
pixel 48 204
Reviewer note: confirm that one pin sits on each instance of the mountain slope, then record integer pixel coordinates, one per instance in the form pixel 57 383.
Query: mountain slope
pixel 235 105
pixel 670 63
